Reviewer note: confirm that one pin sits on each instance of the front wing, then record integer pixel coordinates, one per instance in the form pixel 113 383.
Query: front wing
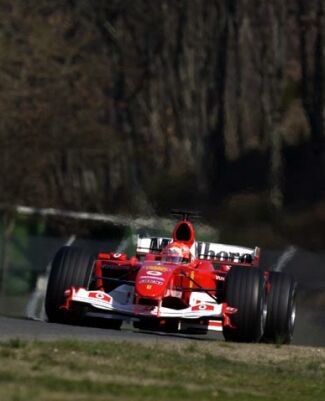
pixel 107 302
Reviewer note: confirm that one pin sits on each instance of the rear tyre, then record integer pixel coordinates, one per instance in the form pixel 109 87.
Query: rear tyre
pixel 245 290
pixel 71 267
pixel 281 308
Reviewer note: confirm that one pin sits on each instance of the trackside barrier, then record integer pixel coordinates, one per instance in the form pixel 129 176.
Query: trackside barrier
pixel 33 265
pixel 133 222
pixel 35 306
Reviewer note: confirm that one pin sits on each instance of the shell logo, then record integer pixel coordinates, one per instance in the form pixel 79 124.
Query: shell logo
pixel 158 268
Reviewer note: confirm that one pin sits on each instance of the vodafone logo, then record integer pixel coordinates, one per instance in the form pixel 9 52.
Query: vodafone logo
pixel 100 296
pixel 153 273
pixel 202 307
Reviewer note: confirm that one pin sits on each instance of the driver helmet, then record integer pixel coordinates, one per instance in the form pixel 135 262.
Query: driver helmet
pixel 176 252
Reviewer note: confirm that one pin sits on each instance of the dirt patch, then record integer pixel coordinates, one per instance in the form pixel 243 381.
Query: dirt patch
pixel 253 353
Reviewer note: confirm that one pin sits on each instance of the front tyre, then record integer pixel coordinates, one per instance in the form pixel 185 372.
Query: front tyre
pixel 245 290
pixel 281 308
pixel 71 267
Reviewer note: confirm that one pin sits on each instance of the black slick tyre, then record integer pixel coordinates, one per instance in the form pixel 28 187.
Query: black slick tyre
pixel 281 308
pixel 71 267
pixel 245 290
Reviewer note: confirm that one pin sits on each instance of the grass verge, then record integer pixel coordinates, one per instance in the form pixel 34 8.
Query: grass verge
pixel 70 370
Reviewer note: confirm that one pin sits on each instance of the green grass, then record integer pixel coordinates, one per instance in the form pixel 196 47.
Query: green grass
pixel 72 370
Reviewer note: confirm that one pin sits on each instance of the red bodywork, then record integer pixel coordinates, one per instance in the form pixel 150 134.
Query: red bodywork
pixel 177 290
pixel 155 280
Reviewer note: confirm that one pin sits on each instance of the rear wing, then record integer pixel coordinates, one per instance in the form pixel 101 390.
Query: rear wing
pixel 228 254
pixel 153 245
pixel 209 251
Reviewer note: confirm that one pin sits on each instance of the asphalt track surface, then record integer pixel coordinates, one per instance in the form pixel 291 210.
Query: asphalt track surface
pixel 307 332
pixel 25 329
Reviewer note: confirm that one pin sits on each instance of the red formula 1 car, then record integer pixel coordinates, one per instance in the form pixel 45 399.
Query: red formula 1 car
pixel 175 284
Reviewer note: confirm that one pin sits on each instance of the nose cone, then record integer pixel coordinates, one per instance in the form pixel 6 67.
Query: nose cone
pixel 152 280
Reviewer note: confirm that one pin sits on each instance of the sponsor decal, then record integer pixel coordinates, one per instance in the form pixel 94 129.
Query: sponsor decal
pixel 241 256
pixel 203 307
pixel 157 268
pixel 158 243
pixel 151 281
pixel 153 273
pixel 100 296
pixel 220 278
pixel 152 278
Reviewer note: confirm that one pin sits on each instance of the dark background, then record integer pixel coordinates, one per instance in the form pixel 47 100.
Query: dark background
pixel 135 107
pixel 139 106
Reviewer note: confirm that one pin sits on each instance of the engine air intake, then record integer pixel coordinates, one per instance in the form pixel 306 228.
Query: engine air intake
pixel 183 232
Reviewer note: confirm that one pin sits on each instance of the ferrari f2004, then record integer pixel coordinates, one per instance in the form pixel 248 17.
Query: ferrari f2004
pixel 175 284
